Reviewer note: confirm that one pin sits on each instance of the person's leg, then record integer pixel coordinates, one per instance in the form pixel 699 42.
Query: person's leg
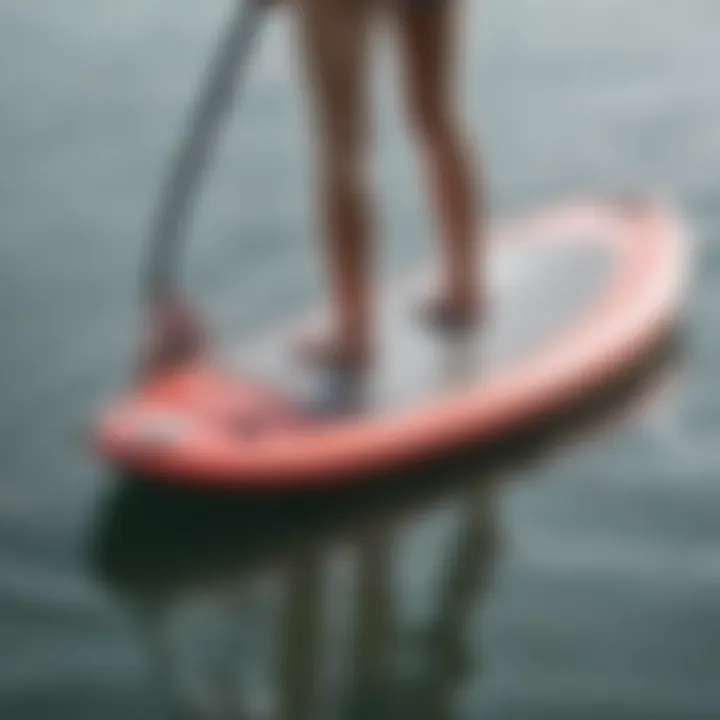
pixel 335 42
pixel 428 33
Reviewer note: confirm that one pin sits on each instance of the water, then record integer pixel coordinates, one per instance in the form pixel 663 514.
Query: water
pixel 582 584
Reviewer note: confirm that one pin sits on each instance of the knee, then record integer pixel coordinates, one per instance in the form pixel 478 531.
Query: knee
pixel 430 120
pixel 345 170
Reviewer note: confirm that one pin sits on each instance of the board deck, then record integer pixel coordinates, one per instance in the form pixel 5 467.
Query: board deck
pixel 534 292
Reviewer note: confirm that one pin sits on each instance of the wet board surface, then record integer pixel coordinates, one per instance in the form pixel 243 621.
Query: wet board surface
pixel 534 291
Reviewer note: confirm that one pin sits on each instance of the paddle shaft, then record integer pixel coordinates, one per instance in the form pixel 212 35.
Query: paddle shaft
pixel 188 166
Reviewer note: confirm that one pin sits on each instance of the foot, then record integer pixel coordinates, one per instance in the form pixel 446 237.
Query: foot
pixel 330 352
pixel 451 314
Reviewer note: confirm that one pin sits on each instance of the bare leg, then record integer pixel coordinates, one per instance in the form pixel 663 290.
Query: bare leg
pixel 335 39
pixel 428 37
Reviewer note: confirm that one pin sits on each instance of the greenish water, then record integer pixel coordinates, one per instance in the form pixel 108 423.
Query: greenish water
pixel 583 584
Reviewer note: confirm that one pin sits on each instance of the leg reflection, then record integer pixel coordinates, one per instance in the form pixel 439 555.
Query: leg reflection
pixel 389 680
pixel 300 637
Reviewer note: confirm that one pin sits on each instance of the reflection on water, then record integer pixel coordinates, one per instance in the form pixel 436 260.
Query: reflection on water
pixel 324 604
pixel 252 635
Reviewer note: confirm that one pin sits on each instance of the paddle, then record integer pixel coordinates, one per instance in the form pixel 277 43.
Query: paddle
pixel 173 333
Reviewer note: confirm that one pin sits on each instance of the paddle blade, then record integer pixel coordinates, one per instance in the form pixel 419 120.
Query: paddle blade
pixel 173 335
